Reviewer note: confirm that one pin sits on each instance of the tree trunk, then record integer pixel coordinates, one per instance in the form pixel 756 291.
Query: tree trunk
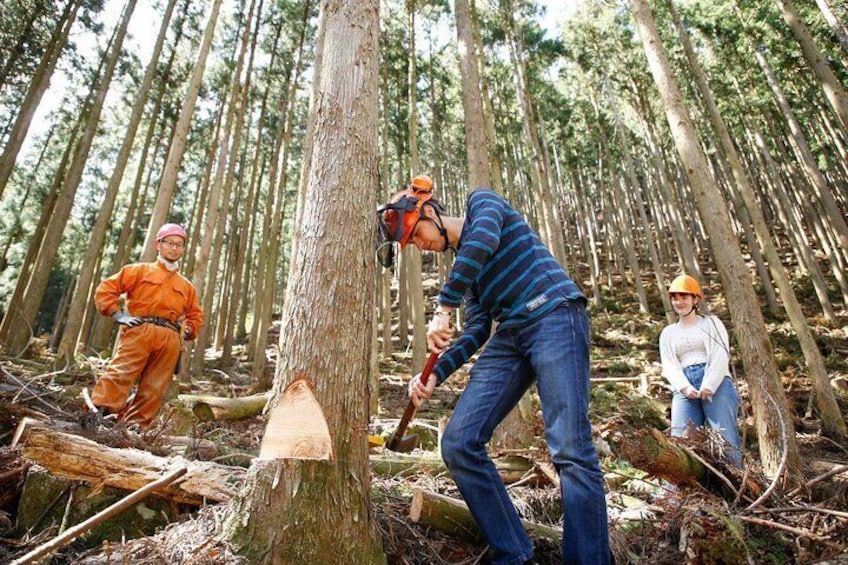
pixel 495 151
pixel 411 253
pixel 266 276
pixel 475 127
pixel 19 334
pixel 329 305
pixel 168 182
pixel 777 440
pixel 70 337
pixel 37 88
pixel 833 89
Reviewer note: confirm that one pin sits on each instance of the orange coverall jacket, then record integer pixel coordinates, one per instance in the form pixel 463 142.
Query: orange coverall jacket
pixel 147 354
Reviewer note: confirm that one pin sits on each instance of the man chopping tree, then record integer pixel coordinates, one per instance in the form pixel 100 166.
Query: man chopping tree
pixel 162 310
pixel 503 272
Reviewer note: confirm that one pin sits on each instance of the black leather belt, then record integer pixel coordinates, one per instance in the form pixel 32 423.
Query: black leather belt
pixel 164 322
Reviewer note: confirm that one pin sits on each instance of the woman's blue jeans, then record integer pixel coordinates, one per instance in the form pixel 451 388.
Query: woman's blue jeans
pixel 719 412
pixel 553 351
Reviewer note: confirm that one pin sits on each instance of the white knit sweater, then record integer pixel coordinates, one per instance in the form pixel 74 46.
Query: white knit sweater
pixel 703 342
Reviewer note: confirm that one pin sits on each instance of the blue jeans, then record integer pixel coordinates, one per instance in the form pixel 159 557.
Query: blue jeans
pixel 554 351
pixel 719 413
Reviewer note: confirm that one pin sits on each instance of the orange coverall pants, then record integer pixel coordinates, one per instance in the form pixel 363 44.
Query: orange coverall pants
pixel 146 356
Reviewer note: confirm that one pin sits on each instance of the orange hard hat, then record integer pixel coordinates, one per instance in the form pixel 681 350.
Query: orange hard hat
pixel 421 183
pixel 684 284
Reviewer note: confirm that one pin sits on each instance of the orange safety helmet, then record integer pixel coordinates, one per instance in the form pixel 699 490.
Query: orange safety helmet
pixel 398 217
pixel 421 184
pixel 684 284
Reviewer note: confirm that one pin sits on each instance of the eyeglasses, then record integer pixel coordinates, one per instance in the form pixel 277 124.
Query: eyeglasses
pixel 173 244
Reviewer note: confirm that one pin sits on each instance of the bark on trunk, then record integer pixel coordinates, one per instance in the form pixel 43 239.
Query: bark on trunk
pixel 302 497
pixel 475 129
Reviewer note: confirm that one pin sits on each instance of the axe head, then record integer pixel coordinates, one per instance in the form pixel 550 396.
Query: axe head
pixel 403 444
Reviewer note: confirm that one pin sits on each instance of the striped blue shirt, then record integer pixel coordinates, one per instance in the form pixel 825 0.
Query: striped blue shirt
pixel 503 272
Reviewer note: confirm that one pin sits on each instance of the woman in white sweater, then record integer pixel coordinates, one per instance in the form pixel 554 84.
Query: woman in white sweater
pixel 695 354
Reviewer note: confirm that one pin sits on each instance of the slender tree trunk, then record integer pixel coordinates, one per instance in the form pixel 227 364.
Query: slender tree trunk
pixel 301 496
pixel 774 423
pixel 411 253
pixel 38 86
pixel 833 90
pixel 475 128
pixel 488 111
pixel 168 182
pixel 19 334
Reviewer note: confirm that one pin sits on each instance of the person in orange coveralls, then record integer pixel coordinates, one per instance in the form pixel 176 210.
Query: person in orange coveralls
pixel 162 309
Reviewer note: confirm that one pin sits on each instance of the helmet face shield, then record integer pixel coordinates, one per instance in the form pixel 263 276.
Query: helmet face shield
pixel 395 223
pixel 397 219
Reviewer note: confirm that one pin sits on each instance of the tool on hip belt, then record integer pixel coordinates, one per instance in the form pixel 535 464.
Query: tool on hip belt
pixel 408 443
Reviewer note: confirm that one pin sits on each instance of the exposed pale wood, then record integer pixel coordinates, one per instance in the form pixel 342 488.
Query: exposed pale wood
pixel 452 516
pixel 209 408
pixel 297 428
pixel 80 459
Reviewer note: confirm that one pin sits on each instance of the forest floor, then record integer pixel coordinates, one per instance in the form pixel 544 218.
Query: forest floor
pixel 728 517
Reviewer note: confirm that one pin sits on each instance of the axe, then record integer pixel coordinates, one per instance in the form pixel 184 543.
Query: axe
pixel 406 444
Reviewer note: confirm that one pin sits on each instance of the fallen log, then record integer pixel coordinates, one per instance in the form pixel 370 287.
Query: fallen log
pixel 651 451
pixel 77 458
pixel 452 516
pixel 511 468
pixel 214 408
pixel 204 449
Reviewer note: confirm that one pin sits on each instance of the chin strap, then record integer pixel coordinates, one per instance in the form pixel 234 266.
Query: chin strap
pixel 440 225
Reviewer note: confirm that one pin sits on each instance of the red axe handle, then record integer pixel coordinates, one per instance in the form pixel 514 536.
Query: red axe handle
pixel 410 408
